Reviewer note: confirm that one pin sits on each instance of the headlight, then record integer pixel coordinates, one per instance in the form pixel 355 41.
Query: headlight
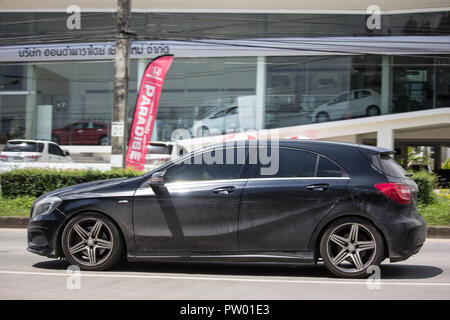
pixel 45 205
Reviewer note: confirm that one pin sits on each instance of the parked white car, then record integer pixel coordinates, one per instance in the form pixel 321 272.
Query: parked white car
pixel 21 150
pixel 160 152
pixel 356 103
pixel 220 120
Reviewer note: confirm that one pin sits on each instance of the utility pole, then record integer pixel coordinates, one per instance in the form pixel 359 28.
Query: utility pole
pixel 121 62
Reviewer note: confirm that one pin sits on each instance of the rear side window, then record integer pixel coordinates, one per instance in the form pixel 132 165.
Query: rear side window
pixel 386 164
pixel 292 164
pixel 23 146
pixel 160 149
pixel 327 168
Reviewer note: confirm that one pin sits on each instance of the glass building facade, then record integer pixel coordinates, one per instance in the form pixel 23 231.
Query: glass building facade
pixel 218 93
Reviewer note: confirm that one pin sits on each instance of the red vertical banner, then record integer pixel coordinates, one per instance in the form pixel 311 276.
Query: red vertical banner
pixel 146 110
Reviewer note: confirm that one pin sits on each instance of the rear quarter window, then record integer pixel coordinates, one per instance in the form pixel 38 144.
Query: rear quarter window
pixel 387 165
pixel 327 168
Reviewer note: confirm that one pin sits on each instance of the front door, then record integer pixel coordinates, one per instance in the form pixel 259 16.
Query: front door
pixel 196 210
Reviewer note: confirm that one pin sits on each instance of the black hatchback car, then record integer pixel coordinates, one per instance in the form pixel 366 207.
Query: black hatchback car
pixel 351 206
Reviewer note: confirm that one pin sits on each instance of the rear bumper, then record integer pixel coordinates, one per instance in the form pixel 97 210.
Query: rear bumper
pixel 406 238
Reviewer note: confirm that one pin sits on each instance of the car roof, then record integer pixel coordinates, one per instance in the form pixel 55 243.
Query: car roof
pixel 304 144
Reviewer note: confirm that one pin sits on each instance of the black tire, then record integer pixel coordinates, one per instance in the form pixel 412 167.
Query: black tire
pixel 373 111
pixel 107 235
pixel 103 141
pixel 322 117
pixel 332 253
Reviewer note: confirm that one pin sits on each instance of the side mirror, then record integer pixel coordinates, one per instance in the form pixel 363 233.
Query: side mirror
pixel 66 153
pixel 157 180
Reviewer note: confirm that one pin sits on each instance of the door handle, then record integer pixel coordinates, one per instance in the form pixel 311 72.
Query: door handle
pixel 318 187
pixel 224 190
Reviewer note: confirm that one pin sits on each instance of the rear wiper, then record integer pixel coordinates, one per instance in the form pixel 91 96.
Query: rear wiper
pixel 408 175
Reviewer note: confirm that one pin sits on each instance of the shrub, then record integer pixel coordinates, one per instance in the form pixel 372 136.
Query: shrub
pixel 426 182
pixel 35 182
pixel 446 165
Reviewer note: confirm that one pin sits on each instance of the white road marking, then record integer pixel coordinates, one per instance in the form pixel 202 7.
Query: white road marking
pixel 109 275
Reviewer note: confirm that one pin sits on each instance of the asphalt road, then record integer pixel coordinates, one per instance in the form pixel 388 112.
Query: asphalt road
pixel 27 276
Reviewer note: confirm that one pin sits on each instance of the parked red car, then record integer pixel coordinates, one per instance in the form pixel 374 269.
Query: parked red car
pixel 84 132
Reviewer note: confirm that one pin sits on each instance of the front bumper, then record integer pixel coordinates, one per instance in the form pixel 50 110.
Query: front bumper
pixel 406 237
pixel 42 234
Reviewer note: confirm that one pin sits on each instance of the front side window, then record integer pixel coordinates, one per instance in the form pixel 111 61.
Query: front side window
pixel 197 168
pixel 55 150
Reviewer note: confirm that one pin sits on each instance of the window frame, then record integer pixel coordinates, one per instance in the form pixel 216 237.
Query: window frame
pixel 318 155
pixel 242 173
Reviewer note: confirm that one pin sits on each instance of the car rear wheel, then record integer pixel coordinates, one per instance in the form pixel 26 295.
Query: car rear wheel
pixel 92 242
pixel 350 246
pixel 322 117
pixel 103 141
pixel 373 111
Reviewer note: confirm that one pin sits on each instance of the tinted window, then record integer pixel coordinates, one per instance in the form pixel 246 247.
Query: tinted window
pixel 55 150
pixel 387 165
pixel 362 94
pixel 199 170
pixel 292 163
pixel 98 125
pixel 220 114
pixel 77 126
pixel 23 146
pixel 327 168
pixel 159 149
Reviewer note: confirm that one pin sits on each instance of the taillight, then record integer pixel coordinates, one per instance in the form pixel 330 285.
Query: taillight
pixel 33 158
pixel 4 158
pixel 399 192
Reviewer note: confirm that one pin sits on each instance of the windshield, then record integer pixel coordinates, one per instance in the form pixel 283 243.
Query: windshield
pixel 159 149
pixel 23 146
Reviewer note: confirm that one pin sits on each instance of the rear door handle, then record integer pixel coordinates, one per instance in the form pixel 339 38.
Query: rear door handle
pixel 224 190
pixel 318 187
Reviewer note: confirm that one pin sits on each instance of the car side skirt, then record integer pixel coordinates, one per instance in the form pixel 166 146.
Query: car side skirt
pixel 293 257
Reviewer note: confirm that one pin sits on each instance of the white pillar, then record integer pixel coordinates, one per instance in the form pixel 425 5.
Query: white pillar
pixel 142 63
pixel 260 92
pixel 30 109
pixel 386 84
pixel 385 138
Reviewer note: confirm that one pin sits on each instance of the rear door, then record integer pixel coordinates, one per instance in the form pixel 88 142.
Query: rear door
pixel 279 212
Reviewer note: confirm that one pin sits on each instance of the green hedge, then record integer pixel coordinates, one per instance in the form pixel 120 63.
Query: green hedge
pixel 35 182
pixel 426 182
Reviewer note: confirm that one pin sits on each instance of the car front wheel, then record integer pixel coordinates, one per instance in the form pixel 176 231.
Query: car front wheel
pixel 350 246
pixel 92 242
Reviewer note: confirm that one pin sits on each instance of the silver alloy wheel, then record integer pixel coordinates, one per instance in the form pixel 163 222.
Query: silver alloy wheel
pixel 90 242
pixel 351 247
pixel 373 111
pixel 104 141
pixel 322 117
